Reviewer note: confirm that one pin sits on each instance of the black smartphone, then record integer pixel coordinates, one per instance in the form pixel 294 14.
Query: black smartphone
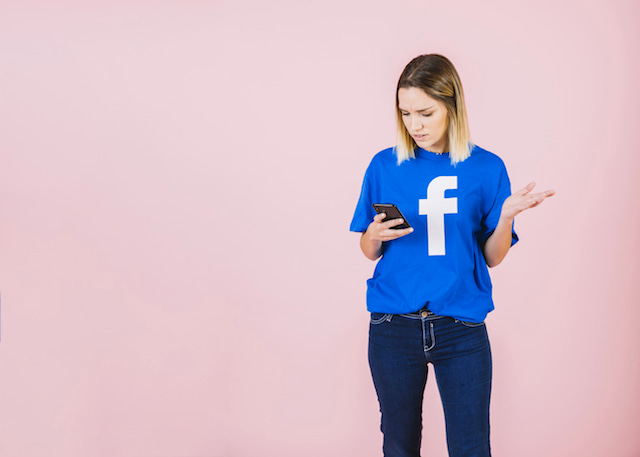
pixel 392 212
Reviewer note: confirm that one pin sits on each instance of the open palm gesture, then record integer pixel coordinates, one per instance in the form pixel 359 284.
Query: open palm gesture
pixel 522 200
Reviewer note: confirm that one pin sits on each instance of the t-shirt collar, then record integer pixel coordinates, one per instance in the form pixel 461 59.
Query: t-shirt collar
pixel 424 154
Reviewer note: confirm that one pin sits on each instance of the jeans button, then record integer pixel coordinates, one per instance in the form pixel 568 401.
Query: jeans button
pixel 424 314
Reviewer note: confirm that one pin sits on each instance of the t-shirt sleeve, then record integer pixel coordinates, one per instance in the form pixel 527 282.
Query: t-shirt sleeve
pixel 364 212
pixel 492 217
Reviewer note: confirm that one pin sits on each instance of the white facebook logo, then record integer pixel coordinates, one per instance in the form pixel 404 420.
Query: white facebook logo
pixel 435 206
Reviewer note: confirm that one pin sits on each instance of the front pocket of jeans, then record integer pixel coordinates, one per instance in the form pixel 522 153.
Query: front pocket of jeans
pixel 470 324
pixel 379 318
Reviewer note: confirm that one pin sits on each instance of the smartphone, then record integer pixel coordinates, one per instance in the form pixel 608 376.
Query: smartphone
pixel 392 212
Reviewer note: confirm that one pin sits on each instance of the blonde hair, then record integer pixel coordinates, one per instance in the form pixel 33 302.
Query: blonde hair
pixel 436 75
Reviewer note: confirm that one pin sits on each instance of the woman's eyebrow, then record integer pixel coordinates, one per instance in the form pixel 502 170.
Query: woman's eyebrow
pixel 418 110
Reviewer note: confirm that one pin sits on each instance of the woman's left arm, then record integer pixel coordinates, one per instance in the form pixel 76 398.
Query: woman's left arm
pixel 497 245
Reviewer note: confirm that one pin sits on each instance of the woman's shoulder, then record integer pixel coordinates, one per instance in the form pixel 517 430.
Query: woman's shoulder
pixel 384 158
pixel 486 158
pixel 385 155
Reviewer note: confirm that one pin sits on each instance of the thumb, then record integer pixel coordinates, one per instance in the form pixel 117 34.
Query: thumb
pixel 528 188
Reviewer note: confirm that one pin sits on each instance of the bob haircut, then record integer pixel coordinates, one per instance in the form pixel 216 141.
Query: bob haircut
pixel 438 78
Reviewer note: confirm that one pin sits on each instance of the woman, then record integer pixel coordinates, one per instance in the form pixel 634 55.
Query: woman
pixel 431 291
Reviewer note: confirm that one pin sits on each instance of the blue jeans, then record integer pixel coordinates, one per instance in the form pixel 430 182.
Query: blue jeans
pixel 400 348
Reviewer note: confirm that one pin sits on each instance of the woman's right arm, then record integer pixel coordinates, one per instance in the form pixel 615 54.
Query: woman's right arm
pixel 378 232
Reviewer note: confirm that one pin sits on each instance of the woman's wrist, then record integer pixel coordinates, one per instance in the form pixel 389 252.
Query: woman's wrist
pixel 372 249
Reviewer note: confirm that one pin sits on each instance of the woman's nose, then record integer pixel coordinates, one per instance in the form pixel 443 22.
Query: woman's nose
pixel 415 123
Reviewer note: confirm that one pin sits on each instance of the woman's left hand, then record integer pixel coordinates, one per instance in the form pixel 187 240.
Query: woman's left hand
pixel 523 199
pixel 498 244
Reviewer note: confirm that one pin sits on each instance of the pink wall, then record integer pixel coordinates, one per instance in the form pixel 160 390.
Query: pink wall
pixel 176 183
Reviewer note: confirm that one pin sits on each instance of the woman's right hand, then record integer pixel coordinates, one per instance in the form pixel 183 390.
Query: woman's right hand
pixel 378 232
pixel 382 231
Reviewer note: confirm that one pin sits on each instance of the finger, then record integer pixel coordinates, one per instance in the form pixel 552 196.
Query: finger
pixel 546 193
pixel 394 234
pixel 539 197
pixel 393 223
pixel 535 199
pixel 526 189
pixel 379 217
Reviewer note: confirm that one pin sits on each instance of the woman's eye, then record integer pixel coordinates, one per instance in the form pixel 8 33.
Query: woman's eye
pixel 427 114
pixel 405 114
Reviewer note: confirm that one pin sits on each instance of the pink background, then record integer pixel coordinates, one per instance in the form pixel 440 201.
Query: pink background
pixel 176 184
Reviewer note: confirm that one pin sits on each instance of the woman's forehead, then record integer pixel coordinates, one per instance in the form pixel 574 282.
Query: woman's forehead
pixel 416 99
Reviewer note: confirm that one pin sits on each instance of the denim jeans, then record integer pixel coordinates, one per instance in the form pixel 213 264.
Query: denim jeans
pixel 400 348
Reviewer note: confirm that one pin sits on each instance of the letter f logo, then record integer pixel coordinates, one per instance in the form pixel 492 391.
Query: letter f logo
pixel 435 206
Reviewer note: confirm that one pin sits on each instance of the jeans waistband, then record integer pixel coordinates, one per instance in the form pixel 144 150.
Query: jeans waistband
pixel 422 314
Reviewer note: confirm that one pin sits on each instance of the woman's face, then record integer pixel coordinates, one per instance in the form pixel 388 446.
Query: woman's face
pixel 425 118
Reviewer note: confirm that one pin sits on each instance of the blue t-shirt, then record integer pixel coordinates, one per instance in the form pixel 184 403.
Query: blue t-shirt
pixel 453 210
